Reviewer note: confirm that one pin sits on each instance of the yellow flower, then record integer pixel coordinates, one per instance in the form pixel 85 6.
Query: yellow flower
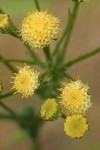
pixel 75 97
pixel 25 81
pixel 4 21
pixel 50 109
pixel 75 126
pixel 39 28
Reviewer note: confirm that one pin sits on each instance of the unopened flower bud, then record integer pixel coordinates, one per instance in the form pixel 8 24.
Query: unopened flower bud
pixel 50 110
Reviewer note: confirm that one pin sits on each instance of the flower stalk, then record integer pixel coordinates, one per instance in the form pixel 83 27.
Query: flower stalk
pixel 70 26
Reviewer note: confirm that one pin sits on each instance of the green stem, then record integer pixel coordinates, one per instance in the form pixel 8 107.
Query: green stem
pixel 69 77
pixel 6 116
pixel 34 56
pixel 14 33
pixel 37 4
pixel 70 26
pixel 10 67
pixel 21 61
pixel 62 115
pixel 63 36
pixel 47 53
pixel 6 95
pixel 82 57
pixel 7 108
pixel 35 143
pixel 16 60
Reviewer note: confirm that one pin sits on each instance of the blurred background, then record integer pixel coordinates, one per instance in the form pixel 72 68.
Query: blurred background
pixel 86 37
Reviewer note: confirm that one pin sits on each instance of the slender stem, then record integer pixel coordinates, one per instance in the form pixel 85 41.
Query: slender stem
pixel 8 65
pixel 37 4
pixel 35 143
pixel 6 95
pixel 82 57
pixel 63 36
pixel 62 115
pixel 34 56
pixel 70 26
pixel 69 77
pixel 60 41
pixel 47 53
pixel 6 116
pixel 7 108
pixel 16 60
pixel 23 61
pixel 31 52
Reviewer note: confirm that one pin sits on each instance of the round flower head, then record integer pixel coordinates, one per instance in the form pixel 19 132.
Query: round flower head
pixel 39 28
pixel 75 126
pixel 50 109
pixel 4 21
pixel 25 81
pixel 75 98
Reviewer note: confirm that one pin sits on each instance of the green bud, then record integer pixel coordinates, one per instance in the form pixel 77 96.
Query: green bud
pixel 50 110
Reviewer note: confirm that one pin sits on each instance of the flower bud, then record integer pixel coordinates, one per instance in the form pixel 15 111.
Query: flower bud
pixel 4 22
pixel 50 110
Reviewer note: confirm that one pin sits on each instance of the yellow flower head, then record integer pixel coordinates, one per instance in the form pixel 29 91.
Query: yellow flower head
pixel 75 98
pixel 50 109
pixel 39 28
pixel 25 81
pixel 4 21
pixel 75 126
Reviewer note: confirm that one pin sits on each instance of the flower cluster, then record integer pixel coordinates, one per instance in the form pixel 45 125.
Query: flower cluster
pixel 39 28
pixel 75 101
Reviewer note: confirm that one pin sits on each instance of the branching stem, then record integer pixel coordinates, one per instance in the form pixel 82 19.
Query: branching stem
pixel 82 57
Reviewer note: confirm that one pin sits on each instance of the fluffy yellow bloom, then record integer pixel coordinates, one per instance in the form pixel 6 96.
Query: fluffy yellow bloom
pixel 75 126
pixel 4 21
pixel 50 109
pixel 25 81
pixel 75 97
pixel 39 28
